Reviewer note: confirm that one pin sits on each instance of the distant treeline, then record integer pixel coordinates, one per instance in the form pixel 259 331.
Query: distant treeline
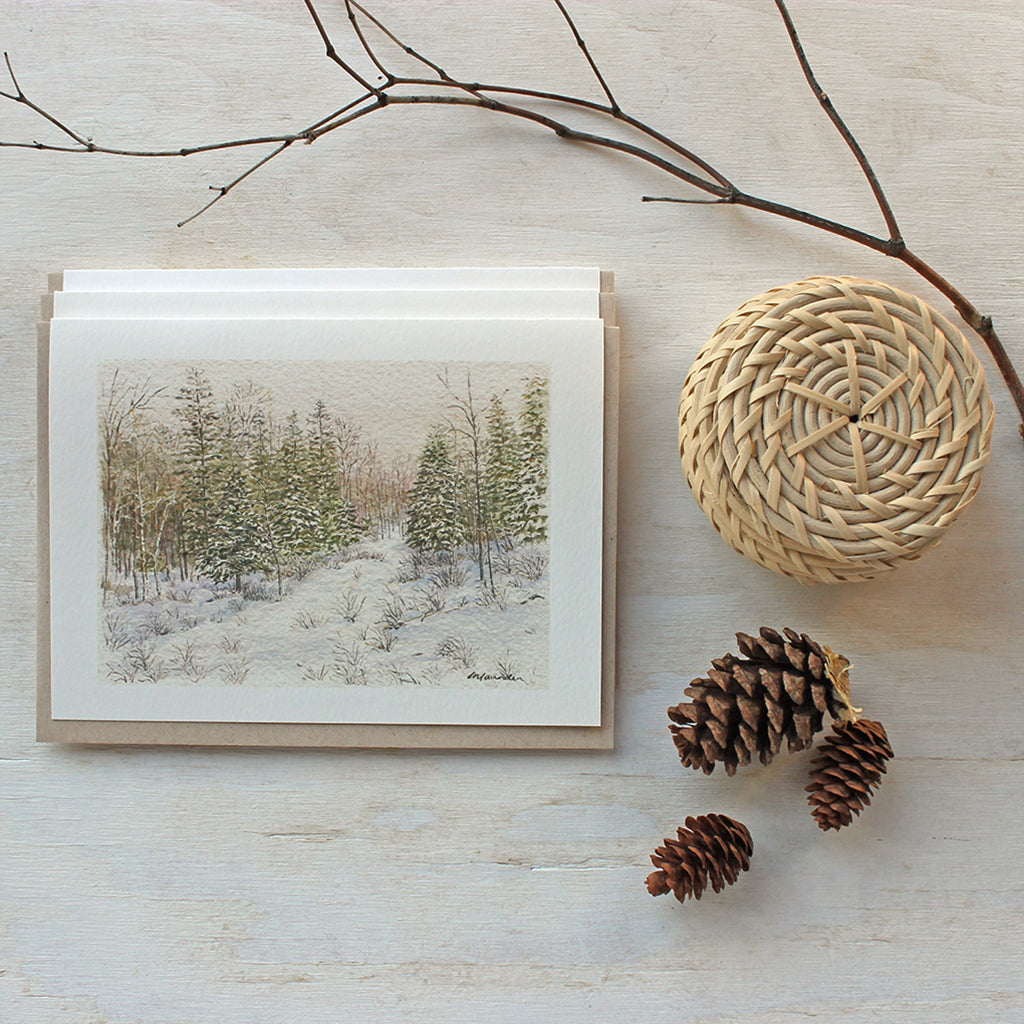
pixel 220 490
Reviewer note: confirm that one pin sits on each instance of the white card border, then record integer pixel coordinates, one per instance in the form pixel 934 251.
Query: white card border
pixel 573 348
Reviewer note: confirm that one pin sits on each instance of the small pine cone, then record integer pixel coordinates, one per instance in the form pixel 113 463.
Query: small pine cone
pixel 846 771
pixel 780 689
pixel 712 848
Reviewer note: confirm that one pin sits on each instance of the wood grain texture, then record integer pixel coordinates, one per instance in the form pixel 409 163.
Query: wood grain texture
pixel 177 886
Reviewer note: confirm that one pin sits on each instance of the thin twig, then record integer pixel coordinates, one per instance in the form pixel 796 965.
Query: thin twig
pixel 482 89
pixel 586 53
pixel 841 126
pixel 332 53
pixel 20 97
pixel 18 94
pixel 688 202
pixel 350 117
pixel 223 190
pixel 439 71
pixel 367 49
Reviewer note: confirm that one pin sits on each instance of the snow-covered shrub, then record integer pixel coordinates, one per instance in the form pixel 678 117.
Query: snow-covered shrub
pixel 430 598
pixel 429 675
pixel 158 622
pixel 532 565
pixel 255 588
pixel 507 668
pixel 349 606
pixel 309 620
pixel 457 649
pixel 380 638
pixel 502 558
pixel 392 611
pixel 357 551
pixel 407 571
pixel 230 643
pixel 137 664
pixel 185 661
pixel 116 632
pixel 235 670
pixel 301 566
pixel 418 564
pixel 349 664
pixel 494 597
pixel 451 574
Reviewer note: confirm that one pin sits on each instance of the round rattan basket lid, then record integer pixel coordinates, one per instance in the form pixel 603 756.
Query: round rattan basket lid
pixel 834 428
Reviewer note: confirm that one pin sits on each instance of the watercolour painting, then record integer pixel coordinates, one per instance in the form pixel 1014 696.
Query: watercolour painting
pixel 252 534
pixel 331 521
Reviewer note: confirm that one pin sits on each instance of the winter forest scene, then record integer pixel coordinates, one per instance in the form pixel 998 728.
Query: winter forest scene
pixel 324 523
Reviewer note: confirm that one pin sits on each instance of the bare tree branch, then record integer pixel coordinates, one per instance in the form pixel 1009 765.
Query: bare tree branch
pixel 439 71
pixel 844 131
pixel 20 97
pixel 223 190
pixel 656 148
pixel 367 49
pixel 586 53
pixel 332 53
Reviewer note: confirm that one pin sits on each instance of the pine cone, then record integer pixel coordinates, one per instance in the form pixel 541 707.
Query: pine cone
pixel 711 848
pixel 846 771
pixel 780 689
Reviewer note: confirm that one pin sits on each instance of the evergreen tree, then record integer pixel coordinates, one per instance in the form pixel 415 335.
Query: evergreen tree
pixel 198 462
pixel 264 490
pixel 236 544
pixel 530 518
pixel 433 523
pixel 467 426
pixel 336 516
pixel 502 470
pixel 296 518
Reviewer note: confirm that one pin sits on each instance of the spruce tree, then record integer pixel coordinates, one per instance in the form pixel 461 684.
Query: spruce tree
pixel 502 470
pixel 264 489
pixel 433 523
pixel 530 518
pixel 336 525
pixel 198 464
pixel 296 518
pixel 236 544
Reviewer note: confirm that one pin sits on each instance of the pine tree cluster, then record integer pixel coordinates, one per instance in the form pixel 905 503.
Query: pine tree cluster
pixel 482 478
pixel 227 494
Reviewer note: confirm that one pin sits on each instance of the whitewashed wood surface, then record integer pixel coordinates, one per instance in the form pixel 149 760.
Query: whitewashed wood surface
pixel 179 886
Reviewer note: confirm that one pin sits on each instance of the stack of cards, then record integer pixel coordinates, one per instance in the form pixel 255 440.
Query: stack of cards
pixel 328 507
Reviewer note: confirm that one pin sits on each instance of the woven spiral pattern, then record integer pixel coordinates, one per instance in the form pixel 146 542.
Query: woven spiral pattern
pixel 834 428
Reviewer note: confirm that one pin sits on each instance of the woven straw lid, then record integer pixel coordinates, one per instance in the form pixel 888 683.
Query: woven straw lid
pixel 834 428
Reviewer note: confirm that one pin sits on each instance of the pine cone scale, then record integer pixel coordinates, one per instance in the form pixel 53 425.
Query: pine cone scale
pixel 771 680
pixel 795 686
pixel 797 657
pixel 747 677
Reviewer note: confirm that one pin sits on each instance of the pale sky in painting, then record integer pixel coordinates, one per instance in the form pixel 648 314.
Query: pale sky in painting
pixel 395 403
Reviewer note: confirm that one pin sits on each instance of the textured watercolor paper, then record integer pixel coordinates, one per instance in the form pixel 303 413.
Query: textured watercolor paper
pixel 369 278
pixel 422 303
pixel 400 381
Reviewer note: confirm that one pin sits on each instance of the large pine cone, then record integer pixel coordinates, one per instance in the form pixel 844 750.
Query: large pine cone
pixel 780 689
pixel 711 848
pixel 846 771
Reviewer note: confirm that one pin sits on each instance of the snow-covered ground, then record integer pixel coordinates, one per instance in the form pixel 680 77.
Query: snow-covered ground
pixel 371 615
